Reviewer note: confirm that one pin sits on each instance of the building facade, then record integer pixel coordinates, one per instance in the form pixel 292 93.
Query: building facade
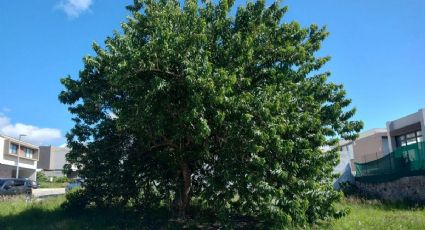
pixel 10 150
pixel 406 130
pixel 52 160
pixel 370 145
pixel 402 134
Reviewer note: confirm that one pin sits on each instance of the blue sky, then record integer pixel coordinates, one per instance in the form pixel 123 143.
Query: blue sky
pixel 377 50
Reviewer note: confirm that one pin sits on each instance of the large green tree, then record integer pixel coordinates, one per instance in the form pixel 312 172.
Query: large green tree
pixel 191 101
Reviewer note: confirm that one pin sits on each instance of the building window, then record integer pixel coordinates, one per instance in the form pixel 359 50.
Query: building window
pixel 13 148
pixel 408 139
pixel 28 152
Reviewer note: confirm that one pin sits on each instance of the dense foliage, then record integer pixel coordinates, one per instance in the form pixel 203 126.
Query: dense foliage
pixel 192 102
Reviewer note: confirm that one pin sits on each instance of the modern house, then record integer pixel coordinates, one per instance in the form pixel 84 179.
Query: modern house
pixel 10 150
pixel 406 130
pixel 52 160
pixel 400 174
pixel 386 154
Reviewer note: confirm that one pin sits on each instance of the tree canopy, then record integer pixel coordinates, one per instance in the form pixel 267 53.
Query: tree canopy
pixel 193 103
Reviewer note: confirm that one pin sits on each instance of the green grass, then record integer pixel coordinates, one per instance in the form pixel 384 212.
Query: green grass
pixel 52 185
pixel 16 213
pixel 47 214
pixel 373 214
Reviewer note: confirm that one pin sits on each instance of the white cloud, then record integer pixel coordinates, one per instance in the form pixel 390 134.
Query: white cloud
pixel 73 8
pixel 34 134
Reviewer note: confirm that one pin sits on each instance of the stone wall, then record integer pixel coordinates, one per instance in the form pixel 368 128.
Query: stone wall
pixel 403 189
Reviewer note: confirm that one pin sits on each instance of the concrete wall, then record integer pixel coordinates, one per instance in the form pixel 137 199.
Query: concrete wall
pixel 345 156
pixel 59 158
pixel 406 188
pixel 53 173
pixel 369 148
pixel 52 158
pixel 45 158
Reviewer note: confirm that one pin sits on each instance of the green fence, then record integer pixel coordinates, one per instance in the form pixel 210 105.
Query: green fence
pixel 405 161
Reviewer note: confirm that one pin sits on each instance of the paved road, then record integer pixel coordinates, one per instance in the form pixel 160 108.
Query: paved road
pixel 41 192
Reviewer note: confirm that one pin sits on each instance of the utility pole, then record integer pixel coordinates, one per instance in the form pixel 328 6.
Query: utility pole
pixel 19 149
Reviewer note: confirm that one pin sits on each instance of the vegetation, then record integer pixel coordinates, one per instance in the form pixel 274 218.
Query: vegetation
pixel 373 214
pixel 56 182
pixel 48 214
pixel 41 177
pixel 48 184
pixel 190 104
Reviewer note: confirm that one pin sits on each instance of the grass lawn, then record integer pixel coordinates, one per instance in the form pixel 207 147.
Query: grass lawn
pixel 47 214
pixel 372 214
pixel 52 185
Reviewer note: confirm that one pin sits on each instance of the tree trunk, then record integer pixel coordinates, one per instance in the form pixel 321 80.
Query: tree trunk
pixel 184 195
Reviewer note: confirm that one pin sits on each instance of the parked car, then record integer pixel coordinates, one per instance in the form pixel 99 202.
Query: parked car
pixel 76 183
pixel 33 184
pixel 15 186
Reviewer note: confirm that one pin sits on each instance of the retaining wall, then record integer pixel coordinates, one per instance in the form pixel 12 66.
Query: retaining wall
pixel 404 189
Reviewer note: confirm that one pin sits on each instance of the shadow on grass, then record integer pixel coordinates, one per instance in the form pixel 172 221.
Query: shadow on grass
pixel 96 218
pixel 38 218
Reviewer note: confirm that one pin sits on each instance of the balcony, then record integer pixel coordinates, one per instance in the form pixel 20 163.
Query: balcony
pixel 25 151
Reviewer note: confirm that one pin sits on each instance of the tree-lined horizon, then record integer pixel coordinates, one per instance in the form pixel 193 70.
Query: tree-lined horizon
pixel 191 103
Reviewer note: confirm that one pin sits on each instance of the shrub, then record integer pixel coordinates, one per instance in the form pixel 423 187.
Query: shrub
pixel 75 199
pixel 61 179
pixel 41 177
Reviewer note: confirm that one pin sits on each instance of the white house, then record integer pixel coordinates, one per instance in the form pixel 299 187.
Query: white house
pixel 28 157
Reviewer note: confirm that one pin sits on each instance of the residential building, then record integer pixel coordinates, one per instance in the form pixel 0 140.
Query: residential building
pixel 10 149
pixel 407 151
pixel 406 130
pixel 370 145
pixel 52 160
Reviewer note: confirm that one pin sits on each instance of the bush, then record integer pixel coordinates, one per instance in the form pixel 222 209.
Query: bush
pixel 41 177
pixel 62 179
pixel 75 199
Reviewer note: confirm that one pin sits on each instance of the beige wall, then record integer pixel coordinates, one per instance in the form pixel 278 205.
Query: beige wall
pixel 369 148
pixel 52 158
